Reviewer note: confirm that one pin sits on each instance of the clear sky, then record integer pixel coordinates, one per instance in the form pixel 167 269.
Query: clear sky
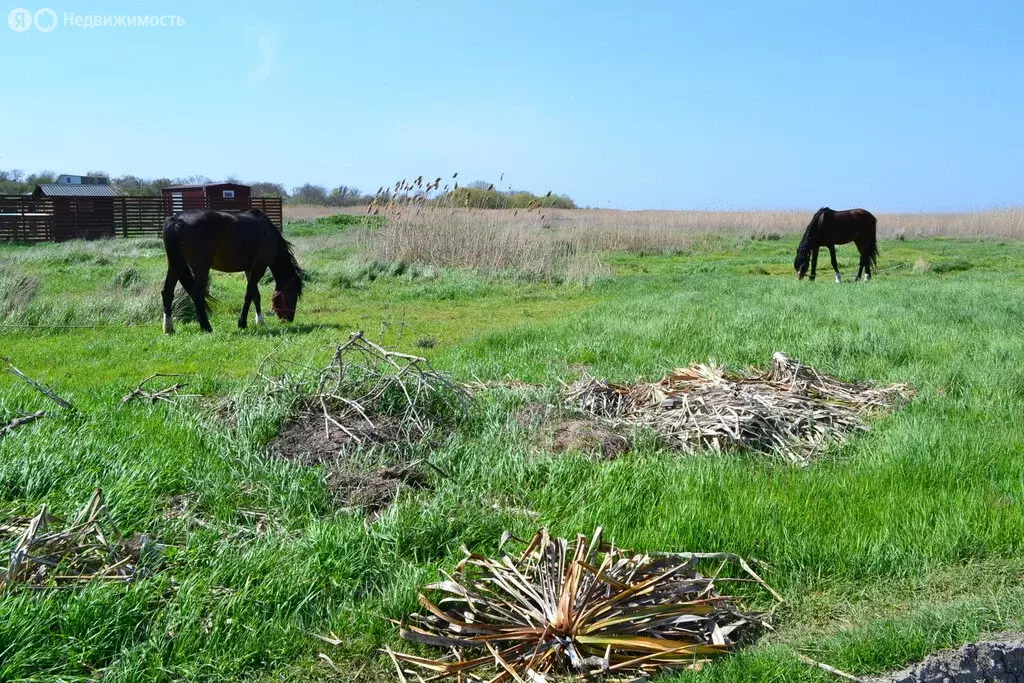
pixel 902 105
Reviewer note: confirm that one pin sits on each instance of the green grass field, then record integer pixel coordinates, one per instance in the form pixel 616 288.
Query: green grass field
pixel 905 540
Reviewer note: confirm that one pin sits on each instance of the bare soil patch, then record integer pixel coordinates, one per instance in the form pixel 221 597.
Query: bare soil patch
pixel 309 441
pixel 585 436
pixel 375 490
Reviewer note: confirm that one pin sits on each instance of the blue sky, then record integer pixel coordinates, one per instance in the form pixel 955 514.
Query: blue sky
pixel 667 105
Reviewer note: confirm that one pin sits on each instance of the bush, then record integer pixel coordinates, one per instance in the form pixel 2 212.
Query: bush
pixel 489 198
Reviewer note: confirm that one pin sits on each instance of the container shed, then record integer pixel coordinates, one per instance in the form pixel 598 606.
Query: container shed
pixel 218 196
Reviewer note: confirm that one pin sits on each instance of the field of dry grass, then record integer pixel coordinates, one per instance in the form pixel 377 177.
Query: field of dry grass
pixel 561 244
pixel 663 225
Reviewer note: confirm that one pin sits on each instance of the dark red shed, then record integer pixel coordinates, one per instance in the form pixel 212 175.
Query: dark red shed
pixel 218 196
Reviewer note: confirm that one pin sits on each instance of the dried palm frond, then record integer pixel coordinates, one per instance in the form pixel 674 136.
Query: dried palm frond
pixel 791 410
pixel 90 548
pixel 580 610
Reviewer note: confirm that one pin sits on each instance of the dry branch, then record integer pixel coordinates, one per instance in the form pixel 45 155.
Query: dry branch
pixel 792 410
pixel 45 391
pixel 19 421
pixel 164 394
pixel 829 669
pixel 578 610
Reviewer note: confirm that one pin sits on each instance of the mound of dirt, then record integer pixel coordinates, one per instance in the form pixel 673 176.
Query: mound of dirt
pixel 376 490
pixel 585 436
pixel 309 440
pixel 999 661
pixel 532 415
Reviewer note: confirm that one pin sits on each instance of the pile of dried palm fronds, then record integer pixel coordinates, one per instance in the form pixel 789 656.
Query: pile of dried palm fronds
pixel 579 610
pixel 370 395
pixel 49 553
pixel 791 410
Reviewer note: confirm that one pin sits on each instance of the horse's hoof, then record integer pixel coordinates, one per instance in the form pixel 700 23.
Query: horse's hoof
pixel 168 325
pixel 260 320
pixel 839 280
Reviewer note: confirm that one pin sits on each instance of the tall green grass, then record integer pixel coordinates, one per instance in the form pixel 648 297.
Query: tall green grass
pixel 905 540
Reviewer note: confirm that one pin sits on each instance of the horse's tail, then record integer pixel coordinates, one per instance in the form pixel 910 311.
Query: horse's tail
pixel 176 261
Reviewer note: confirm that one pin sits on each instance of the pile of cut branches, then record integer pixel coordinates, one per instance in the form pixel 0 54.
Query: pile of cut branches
pixel 791 410
pixel 368 395
pixel 49 553
pixel 580 610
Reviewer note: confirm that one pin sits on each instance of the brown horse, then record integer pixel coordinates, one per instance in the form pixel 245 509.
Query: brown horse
pixel 199 240
pixel 829 228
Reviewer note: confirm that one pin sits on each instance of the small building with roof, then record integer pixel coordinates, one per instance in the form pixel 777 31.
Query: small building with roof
pixel 217 196
pixel 82 206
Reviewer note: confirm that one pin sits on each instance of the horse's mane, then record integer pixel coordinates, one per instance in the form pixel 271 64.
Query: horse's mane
pixel 807 241
pixel 286 261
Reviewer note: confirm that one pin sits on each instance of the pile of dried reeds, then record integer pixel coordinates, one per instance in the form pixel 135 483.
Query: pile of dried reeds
pixel 49 553
pixel 580 610
pixel 371 395
pixel 790 410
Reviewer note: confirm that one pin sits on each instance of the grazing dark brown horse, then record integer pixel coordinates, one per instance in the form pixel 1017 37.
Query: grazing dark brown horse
pixel 199 240
pixel 829 228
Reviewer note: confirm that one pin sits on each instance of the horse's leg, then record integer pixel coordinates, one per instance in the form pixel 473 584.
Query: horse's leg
pixel 202 279
pixel 814 263
pixel 252 296
pixel 864 258
pixel 170 282
pixel 243 320
pixel 257 276
pixel 835 266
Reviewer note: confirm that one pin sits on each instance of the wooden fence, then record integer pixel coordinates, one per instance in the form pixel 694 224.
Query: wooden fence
pixel 55 219
pixel 23 219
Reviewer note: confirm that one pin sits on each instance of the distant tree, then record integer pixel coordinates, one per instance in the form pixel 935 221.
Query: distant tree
pixel 310 194
pixel 344 195
pixel 134 186
pixel 269 189
pixel 193 180
pixel 481 185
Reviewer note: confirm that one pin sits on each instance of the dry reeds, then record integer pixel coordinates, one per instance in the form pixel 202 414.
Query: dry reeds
pixel 90 548
pixel 560 610
pixel 613 230
pixel 790 411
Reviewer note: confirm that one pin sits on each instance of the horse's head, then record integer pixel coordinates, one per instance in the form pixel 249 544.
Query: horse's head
pixel 803 251
pixel 285 300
